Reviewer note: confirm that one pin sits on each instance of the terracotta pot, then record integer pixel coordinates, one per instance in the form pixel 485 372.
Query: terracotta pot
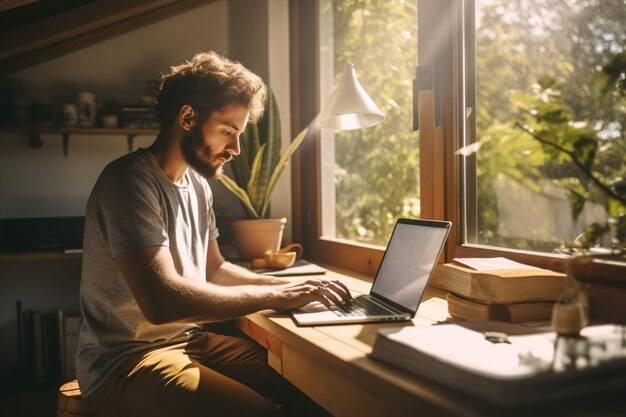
pixel 255 237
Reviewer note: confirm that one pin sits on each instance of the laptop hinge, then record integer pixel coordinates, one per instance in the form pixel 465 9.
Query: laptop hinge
pixel 388 305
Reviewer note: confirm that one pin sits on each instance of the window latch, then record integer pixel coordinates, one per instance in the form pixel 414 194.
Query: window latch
pixel 423 81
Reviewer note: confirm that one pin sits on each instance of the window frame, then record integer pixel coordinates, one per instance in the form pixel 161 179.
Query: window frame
pixel 441 171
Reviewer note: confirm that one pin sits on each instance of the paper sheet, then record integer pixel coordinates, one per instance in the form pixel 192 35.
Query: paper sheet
pixel 486 264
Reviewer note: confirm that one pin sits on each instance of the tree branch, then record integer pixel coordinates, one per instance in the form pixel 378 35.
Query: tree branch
pixel 577 162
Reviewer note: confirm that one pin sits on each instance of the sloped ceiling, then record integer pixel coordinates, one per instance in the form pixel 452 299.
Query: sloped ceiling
pixel 34 31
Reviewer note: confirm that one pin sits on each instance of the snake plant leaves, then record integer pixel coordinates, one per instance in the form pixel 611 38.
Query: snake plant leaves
pixel 281 166
pixel 269 153
pixel 257 169
pixel 240 193
pixel 253 184
pixel 250 143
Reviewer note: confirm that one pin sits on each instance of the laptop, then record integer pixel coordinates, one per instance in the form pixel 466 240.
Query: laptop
pixel 401 280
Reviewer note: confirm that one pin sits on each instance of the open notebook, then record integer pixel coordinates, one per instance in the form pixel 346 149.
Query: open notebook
pixel 402 278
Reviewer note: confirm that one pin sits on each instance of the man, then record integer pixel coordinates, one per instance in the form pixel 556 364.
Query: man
pixel 152 268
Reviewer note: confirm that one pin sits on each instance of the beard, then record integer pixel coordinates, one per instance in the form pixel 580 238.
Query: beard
pixel 200 156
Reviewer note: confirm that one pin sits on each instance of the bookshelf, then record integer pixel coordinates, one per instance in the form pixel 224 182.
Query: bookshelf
pixel 40 317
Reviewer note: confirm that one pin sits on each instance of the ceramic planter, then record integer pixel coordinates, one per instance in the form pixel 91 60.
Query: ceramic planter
pixel 255 237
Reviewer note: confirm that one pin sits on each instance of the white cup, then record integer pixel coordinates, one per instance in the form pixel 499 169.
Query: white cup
pixel 86 103
pixel 70 114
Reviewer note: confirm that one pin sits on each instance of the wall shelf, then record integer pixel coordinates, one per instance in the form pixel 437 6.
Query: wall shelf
pixel 35 133
pixel 36 256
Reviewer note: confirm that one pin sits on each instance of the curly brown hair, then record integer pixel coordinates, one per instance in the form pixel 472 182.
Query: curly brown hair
pixel 209 82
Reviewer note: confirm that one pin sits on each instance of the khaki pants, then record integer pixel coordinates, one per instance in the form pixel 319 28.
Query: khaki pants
pixel 211 375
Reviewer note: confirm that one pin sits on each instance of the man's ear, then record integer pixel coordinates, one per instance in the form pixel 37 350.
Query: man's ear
pixel 187 117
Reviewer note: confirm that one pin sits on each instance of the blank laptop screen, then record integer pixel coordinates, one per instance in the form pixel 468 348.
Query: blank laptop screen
pixel 408 262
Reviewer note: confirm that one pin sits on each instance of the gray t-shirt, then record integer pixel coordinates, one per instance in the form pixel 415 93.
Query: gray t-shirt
pixel 134 205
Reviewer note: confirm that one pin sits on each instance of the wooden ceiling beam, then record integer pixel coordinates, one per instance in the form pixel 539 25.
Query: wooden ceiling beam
pixel 11 4
pixel 81 27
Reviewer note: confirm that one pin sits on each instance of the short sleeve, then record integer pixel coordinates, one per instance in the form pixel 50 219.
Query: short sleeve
pixel 127 213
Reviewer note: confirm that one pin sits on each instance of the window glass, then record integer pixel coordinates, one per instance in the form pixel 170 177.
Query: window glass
pixel 370 176
pixel 546 75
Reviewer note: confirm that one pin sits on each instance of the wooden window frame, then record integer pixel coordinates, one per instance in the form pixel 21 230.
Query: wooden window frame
pixel 440 169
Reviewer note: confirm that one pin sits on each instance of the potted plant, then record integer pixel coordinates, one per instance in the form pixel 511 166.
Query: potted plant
pixel 255 173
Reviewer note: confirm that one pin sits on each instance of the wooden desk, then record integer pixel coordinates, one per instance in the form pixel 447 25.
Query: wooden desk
pixel 330 364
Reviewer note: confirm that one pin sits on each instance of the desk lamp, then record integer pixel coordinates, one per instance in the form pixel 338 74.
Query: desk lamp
pixel 349 107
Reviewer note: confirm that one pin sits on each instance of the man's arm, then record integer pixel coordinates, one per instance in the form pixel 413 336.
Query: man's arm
pixel 221 272
pixel 164 296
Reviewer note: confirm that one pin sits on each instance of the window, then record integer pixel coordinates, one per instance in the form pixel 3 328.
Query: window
pixel 535 68
pixel 370 177
pixel 494 65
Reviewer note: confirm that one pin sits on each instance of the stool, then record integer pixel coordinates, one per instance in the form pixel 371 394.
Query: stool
pixel 70 403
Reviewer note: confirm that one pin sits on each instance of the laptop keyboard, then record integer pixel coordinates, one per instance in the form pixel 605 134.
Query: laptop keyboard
pixel 361 307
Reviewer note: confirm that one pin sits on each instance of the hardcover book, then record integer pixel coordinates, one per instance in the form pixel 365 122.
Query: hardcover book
pixel 502 286
pixel 470 310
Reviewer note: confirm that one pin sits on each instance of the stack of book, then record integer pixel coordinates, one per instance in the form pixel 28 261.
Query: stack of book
pixel 500 289
pixel 143 117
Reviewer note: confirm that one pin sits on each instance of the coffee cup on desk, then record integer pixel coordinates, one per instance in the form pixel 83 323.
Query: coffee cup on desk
pixel 279 260
pixel 86 104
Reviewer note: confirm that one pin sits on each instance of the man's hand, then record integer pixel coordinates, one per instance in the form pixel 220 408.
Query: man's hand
pixel 298 294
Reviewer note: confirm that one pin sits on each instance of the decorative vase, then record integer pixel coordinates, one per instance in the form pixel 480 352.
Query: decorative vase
pixel 257 236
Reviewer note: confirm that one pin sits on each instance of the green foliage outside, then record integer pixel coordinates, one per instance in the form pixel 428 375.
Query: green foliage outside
pixel 532 56
pixel 590 168
pixel 551 70
pixel 376 169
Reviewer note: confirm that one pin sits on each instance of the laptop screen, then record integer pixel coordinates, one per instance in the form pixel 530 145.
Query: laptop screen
pixel 409 261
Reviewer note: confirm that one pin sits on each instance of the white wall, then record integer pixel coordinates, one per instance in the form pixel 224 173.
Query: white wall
pixel 268 21
pixel 279 79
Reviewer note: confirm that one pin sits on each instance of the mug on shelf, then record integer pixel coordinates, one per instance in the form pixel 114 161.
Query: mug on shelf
pixel 86 104
pixel 70 114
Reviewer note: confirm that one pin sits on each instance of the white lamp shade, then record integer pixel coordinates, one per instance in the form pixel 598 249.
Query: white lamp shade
pixel 349 107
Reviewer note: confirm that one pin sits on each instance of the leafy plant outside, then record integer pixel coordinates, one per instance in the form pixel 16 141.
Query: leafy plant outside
pixel 600 175
pixel 376 172
pixel 515 46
